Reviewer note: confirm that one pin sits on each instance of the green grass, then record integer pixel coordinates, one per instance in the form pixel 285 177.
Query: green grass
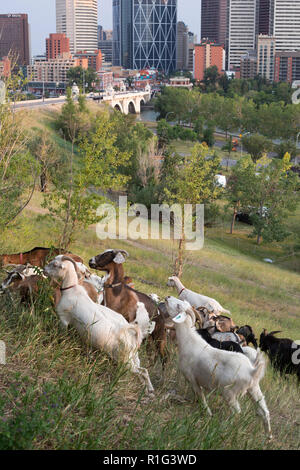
pixel 55 393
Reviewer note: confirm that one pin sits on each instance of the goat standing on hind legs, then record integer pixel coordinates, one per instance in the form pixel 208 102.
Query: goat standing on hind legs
pixel 100 326
pixel 207 368
pixel 124 299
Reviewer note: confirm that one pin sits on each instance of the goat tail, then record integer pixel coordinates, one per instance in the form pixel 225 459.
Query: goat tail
pixel 227 312
pixel 259 367
pixel 132 330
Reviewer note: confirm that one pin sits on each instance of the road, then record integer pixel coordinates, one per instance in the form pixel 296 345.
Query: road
pixel 38 103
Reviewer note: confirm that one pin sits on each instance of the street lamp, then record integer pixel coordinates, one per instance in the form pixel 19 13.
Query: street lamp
pixel 241 137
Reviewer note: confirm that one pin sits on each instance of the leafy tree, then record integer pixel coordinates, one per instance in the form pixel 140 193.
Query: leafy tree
pixel 74 119
pixel 239 184
pixel 273 200
pixel 45 151
pixel 18 169
pixel 195 184
pixel 267 193
pixel 286 147
pixel 163 134
pixel 256 145
pixel 209 135
pixel 73 202
pixel 211 78
pixel 82 77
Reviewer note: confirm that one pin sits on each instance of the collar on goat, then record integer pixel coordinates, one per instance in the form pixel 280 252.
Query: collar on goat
pixel 111 286
pixel 181 291
pixel 67 288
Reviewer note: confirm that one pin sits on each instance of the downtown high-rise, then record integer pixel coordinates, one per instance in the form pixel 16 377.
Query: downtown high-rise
pixel 78 20
pixel 15 38
pixel 241 30
pixel 214 20
pixel 144 34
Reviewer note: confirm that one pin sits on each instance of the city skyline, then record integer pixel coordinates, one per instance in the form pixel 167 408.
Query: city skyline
pixel 43 20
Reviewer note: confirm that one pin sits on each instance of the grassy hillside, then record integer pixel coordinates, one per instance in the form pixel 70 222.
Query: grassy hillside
pixel 56 393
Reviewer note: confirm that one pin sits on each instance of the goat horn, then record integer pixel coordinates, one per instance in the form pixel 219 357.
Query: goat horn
pixel 274 332
pixel 191 313
pixel 197 315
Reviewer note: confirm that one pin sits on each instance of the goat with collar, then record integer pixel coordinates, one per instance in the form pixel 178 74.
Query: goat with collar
pixel 100 326
pixel 195 299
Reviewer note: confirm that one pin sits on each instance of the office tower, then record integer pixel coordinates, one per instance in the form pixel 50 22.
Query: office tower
pixel 78 20
pixel 14 37
pixel 265 17
pixel 106 48
pixel 192 40
pixel 214 19
pixel 286 22
pixel 242 15
pixel 182 46
pixel 266 48
pixel 207 55
pixel 56 45
pixel 144 34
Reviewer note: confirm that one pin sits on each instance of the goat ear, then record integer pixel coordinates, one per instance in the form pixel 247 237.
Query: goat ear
pixel 180 318
pixel 119 259
pixel 274 332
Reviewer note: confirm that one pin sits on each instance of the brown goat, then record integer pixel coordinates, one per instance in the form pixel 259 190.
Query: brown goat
pixel 36 257
pixel 122 298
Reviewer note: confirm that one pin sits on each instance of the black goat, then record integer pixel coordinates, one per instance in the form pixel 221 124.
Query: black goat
pixel 284 353
pixel 247 332
pixel 225 345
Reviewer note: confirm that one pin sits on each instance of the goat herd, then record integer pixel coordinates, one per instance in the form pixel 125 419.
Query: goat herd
pixel 112 316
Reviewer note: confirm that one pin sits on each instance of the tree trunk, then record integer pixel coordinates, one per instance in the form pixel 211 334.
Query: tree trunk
pixel 43 182
pixel 234 218
pixel 179 260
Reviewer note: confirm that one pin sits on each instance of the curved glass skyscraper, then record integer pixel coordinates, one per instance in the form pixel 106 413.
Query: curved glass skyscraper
pixel 145 34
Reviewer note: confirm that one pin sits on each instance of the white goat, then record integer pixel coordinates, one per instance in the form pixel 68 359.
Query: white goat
pixel 196 300
pixel 209 368
pixel 143 321
pixel 98 325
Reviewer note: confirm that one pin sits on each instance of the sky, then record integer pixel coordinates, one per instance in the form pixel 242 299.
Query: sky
pixel 42 17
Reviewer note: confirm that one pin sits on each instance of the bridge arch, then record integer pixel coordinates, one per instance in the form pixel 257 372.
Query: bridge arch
pixel 131 108
pixel 118 107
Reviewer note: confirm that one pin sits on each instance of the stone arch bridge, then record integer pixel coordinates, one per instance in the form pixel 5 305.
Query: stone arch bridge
pixel 127 102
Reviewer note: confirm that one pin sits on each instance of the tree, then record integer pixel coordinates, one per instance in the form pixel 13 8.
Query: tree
pixel 18 169
pixel 82 77
pixel 163 134
pixel 74 119
pixel 267 193
pixel 239 184
pixel 209 135
pixel 286 147
pixel 256 145
pixel 193 182
pixel 211 77
pixel 45 152
pixel 79 191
